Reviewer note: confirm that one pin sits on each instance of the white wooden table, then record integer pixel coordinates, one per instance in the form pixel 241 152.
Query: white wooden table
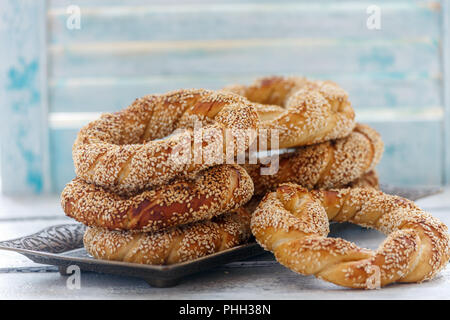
pixel 20 278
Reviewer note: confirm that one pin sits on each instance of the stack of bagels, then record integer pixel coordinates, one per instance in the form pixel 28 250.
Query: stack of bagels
pixel 151 193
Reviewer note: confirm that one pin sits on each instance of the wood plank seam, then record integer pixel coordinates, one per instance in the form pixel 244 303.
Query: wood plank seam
pixel 44 98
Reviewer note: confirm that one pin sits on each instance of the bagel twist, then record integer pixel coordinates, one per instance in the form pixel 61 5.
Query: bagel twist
pixel 301 112
pixel 215 191
pixel 293 224
pixel 119 150
pixel 179 244
pixel 331 164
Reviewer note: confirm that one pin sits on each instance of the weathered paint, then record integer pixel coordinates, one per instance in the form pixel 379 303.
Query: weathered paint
pixel 113 93
pixel 251 20
pixel 235 57
pixel 22 96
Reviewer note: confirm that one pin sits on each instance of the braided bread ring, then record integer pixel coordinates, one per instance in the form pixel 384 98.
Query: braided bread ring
pixel 215 191
pixel 293 223
pixel 118 150
pixel 303 112
pixel 331 164
pixel 184 243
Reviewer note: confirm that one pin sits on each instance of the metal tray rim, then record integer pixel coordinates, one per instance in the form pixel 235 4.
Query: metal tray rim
pixel 60 256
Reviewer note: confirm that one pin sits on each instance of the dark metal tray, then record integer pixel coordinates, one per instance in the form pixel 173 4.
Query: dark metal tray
pixel 62 246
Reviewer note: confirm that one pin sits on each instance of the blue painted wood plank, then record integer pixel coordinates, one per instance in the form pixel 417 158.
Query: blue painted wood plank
pixel 416 162
pixel 366 92
pixel 446 85
pixel 209 21
pixel 24 162
pixel 61 4
pixel 304 56
pixel 61 141
pixel 413 152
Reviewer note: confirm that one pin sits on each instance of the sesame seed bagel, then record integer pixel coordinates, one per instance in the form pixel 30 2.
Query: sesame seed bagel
pixel 120 151
pixel 179 244
pixel 293 223
pixel 303 112
pixel 214 191
pixel 331 164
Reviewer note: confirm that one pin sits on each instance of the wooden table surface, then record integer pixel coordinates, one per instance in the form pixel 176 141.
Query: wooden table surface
pixel 264 279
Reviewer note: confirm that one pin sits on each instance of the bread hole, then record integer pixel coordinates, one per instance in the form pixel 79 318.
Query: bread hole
pixel 363 237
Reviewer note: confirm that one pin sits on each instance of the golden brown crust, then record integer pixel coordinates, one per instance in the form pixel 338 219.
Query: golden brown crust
pixel 331 164
pixel 175 245
pixel 119 150
pixel 368 180
pixel 303 112
pixel 215 191
pixel 293 223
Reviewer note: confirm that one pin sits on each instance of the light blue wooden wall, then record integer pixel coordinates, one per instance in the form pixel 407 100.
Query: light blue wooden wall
pixel 395 76
pixel 23 98
pixel 446 84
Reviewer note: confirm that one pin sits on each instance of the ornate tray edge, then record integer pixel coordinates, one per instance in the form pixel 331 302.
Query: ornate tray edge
pixel 19 245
